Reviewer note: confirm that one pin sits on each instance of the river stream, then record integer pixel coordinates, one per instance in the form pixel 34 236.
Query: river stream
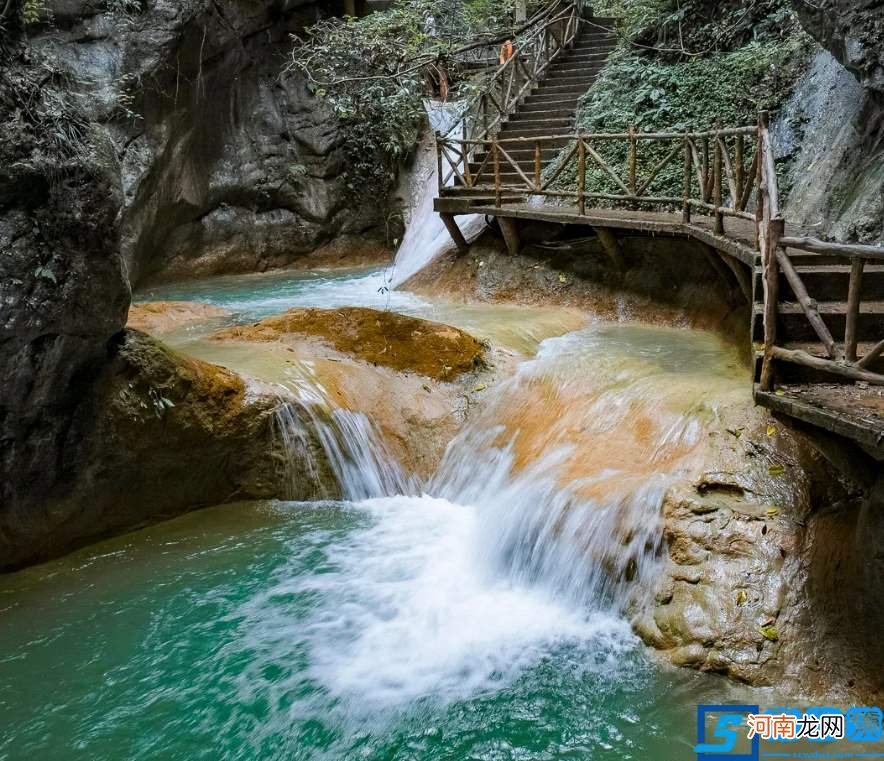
pixel 478 614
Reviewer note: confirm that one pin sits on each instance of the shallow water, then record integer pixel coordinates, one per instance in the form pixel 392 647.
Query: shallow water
pixel 478 616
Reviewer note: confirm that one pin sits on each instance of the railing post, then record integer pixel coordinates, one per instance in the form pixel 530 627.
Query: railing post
pixel 739 177
pixel 759 180
pixel 538 167
pixel 776 229
pixel 705 189
pixel 633 160
pixel 498 198
pixel 581 175
pixel 853 303
pixel 716 181
pixel 467 174
pixel 439 177
pixel 688 168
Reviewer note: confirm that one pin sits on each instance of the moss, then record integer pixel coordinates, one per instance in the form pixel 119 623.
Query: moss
pixel 406 344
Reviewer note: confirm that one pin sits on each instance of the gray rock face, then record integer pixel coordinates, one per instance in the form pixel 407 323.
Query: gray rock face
pixel 831 127
pixel 137 138
pixel 225 164
pixel 853 31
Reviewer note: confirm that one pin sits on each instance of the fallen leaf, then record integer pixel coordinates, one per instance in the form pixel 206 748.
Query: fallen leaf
pixel 741 597
pixel 780 392
pixel 776 470
pixel 563 279
pixel 480 387
pixel 769 633
pixel 771 430
pixel 773 510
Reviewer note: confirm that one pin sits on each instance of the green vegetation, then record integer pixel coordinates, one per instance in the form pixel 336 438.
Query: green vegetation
pixel 682 66
pixel 373 71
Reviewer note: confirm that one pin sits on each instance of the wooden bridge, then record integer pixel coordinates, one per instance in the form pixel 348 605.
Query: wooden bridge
pixel 515 156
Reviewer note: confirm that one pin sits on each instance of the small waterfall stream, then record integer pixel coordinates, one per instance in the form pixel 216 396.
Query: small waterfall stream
pixel 426 237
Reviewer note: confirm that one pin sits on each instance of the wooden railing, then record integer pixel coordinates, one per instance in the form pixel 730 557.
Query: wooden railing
pixel 724 172
pixel 486 111
pixel 719 168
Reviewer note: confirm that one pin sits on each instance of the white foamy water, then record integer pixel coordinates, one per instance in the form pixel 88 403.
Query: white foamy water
pixel 413 608
pixel 541 527
pixel 426 237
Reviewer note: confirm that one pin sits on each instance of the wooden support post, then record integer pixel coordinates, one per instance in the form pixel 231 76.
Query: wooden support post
pixel 776 229
pixel 869 359
pixel 510 231
pixel 740 272
pixel 706 177
pixel 718 158
pixel 612 247
pixel 739 169
pixel 440 179
pixel 498 198
pixel 853 301
pixel 581 175
pixel 716 262
pixel 455 233
pixel 538 167
pixel 349 7
pixel 688 168
pixel 633 160
pixel 759 179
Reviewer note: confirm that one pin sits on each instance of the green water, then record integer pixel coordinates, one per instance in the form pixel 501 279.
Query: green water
pixel 401 627
pixel 216 635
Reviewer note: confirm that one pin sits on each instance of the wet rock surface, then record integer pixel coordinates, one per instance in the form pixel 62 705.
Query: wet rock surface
pixel 399 342
pixel 167 434
pixel 161 316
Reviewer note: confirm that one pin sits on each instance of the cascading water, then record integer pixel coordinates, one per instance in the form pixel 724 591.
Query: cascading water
pixel 477 615
pixel 426 237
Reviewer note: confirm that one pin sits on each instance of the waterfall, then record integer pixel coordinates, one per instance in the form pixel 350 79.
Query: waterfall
pixel 351 445
pixel 426 237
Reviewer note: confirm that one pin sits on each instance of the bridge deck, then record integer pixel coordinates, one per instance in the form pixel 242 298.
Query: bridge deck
pixel 738 240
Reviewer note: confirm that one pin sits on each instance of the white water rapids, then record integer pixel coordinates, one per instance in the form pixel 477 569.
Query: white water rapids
pixel 455 586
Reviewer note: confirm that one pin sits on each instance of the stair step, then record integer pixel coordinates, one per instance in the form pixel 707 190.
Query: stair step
pixel 577 89
pixel 580 79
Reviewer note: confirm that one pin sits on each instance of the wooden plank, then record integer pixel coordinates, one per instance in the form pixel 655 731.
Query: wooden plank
pixel 750 184
pixel 804 359
pixel 633 162
pixel 808 305
pixel 853 302
pixel 816 246
pixel 538 167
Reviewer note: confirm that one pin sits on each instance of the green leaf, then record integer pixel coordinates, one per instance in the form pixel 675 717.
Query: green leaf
pixel 776 470
pixel 770 633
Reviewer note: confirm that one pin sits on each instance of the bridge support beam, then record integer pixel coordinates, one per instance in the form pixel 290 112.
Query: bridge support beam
pixel 741 273
pixel 454 231
pixel 510 231
pixel 612 247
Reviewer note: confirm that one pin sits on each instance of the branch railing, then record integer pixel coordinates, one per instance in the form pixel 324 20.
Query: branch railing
pixel 725 173
pixel 718 169
pixel 486 111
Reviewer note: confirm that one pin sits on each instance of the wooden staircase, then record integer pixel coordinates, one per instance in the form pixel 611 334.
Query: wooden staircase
pixel 551 106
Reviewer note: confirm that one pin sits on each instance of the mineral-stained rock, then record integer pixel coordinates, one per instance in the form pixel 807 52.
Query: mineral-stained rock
pixel 402 343
pixel 160 316
pixel 168 434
